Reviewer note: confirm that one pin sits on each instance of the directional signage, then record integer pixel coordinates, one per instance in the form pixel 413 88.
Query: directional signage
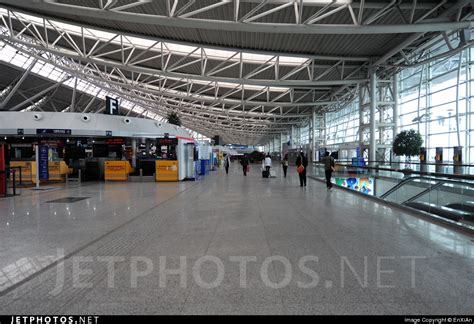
pixel 43 162
pixel 48 131
pixel 111 106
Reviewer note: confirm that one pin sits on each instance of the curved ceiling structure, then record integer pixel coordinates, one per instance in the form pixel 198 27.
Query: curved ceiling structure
pixel 242 69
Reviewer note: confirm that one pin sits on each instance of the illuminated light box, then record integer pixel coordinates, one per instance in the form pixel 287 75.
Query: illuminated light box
pixel 362 184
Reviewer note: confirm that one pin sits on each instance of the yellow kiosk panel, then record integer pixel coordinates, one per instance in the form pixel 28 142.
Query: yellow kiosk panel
pixel 166 170
pixel 57 170
pixel 117 170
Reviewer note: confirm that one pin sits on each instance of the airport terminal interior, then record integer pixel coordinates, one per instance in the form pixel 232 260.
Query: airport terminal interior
pixel 236 157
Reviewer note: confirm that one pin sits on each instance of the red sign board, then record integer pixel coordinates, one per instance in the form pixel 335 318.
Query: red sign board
pixel 114 141
pixel 166 141
pixel 3 177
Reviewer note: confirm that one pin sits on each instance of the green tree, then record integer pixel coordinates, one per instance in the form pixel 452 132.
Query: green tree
pixel 407 143
pixel 173 118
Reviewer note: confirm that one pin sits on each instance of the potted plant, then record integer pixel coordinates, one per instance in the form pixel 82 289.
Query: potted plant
pixel 407 143
pixel 173 118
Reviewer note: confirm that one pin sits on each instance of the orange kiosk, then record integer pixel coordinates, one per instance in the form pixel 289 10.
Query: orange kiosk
pixel 167 168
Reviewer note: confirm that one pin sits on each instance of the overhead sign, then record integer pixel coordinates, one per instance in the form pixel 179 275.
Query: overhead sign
pixel 43 162
pixel 108 133
pixel 166 141
pixel 111 106
pixel 48 131
pixel 20 131
pixel 114 141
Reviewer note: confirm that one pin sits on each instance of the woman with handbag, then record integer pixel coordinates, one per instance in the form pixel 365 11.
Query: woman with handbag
pixel 301 165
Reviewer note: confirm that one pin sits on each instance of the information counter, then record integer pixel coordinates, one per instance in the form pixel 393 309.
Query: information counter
pixel 167 170
pixel 117 170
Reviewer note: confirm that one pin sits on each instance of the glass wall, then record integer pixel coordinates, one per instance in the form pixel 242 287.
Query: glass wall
pixel 435 99
pixel 342 131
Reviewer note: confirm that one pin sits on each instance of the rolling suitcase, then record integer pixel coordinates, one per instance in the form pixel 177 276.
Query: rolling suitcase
pixel 264 174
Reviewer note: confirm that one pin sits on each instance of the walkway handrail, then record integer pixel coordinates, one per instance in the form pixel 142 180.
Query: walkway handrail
pixel 440 180
pixel 408 172
pixel 416 163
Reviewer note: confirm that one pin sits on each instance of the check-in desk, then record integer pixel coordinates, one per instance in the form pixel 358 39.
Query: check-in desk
pixel 166 170
pixel 57 170
pixel 117 170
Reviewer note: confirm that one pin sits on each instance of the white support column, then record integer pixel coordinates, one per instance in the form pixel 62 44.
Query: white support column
pixel 373 107
pixel 361 119
pixel 281 143
pixel 37 177
pixel 396 103
pixel 134 152
pixel 312 139
pixel 292 136
pixel 396 96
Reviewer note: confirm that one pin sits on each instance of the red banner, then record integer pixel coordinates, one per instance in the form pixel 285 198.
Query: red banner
pixel 3 178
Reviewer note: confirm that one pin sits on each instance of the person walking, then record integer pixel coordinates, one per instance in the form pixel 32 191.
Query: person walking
pixel 285 164
pixel 227 163
pixel 329 166
pixel 268 163
pixel 245 164
pixel 302 164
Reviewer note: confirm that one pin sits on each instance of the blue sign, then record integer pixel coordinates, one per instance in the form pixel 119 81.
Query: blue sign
pixel 108 133
pixel 43 162
pixel 45 131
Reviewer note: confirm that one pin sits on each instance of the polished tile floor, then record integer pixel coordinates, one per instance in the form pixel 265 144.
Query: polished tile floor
pixel 227 244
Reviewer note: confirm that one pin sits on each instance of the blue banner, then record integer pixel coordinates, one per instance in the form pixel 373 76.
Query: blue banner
pixel 43 162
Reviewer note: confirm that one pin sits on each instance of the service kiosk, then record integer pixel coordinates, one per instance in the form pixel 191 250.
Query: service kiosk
pixel 167 168
pixel 175 158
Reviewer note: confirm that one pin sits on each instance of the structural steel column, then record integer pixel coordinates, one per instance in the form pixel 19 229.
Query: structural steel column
pixel 396 95
pixel 361 119
pixel 281 143
pixel 373 107
pixel 313 142
pixel 292 136
pixel 134 152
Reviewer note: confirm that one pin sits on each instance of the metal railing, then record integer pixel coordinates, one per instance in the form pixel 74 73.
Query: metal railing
pixel 10 174
pixel 443 195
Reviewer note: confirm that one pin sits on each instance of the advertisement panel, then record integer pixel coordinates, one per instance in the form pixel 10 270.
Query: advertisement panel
pixel 360 184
